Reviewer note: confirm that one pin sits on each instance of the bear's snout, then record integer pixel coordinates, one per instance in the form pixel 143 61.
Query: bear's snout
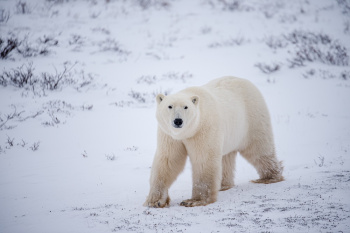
pixel 178 123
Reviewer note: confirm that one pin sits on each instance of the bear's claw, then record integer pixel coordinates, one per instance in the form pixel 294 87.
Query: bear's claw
pixel 157 204
pixel 268 180
pixel 192 203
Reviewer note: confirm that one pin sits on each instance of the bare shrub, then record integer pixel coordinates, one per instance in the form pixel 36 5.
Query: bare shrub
pixel 146 97
pixel 275 42
pixel 320 162
pixel 23 8
pixel 229 5
pixel 54 81
pixel 4 119
pixel 345 75
pixel 7 47
pixel 110 157
pixel 77 41
pixel 271 8
pixel 48 40
pixel 101 30
pixel 25 48
pixel 131 148
pixel 157 4
pixel 347 27
pixel 140 97
pixel 28 50
pixel 24 77
pixel 305 38
pixel 122 103
pixel 40 47
pixel 4 16
pixel 22 143
pixel 184 76
pixel 149 79
pixel 35 146
pixel 326 74
pixel 237 41
pixel 344 6
pixel 170 76
pixel 112 45
pixel 268 69
pixel 19 77
pixel 311 47
pixel 9 142
pixel 309 73
pixel 57 1
pixel 17 116
pixel 56 110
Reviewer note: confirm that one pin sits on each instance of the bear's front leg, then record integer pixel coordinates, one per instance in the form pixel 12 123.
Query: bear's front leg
pixel 207 173
pixel 157 198
pixel 168 162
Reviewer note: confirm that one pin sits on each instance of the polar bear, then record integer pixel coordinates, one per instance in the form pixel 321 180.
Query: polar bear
pixel 210 124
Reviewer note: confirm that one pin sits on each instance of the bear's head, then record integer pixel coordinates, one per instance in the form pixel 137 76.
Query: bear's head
pixel 178 115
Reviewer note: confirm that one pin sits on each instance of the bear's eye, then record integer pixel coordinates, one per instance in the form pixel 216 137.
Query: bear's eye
pixel 170 107
pixel 185 107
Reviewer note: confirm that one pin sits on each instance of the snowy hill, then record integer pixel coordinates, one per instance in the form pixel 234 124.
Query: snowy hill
pixel 78 80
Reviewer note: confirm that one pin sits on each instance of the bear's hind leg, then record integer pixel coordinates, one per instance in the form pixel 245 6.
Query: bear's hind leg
pixel 269 170
pixel 228 169
pixel 268 167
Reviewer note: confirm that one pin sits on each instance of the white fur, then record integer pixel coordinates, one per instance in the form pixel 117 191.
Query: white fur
pixel 225 116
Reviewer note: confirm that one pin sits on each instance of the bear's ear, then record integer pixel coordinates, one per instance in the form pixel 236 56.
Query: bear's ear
pixel 160 98
pixel 195 100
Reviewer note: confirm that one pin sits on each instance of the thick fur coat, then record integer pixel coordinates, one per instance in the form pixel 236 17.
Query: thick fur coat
pixel 210 124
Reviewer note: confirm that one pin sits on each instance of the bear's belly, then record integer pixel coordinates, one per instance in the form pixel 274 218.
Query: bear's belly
pixel 233 142
pixel 234 133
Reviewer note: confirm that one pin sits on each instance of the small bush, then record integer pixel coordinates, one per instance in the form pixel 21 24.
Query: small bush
pixel 326 74
pixel 110 157
pixel 4 16
pixel 140 97
pixel 170 76
pixel 35 146
pixel 229 5
pixel 157 4
pixel 56 110
pixel 237 41
pixel 149 79
pixel 275 42
pixel 24 77
pixel 48 40
pixel 4 119
pixel 7 47
pixel 268 69
pixel 184 76
pixel 19 77
pixel 146 97
pixel 311 47
pixel 345 75
pixel 23 8
pixel 25 48
pixel 344 6
pixel 54 81
pixel 40 47
pixel 347 27
pixel 112 45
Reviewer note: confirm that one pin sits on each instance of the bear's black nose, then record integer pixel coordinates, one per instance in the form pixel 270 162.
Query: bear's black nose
pixel 178 122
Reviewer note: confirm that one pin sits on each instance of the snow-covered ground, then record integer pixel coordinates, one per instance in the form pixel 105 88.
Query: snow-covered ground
pixel 77 111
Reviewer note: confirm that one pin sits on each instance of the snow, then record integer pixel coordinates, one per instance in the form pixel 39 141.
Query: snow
pixel 78 158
